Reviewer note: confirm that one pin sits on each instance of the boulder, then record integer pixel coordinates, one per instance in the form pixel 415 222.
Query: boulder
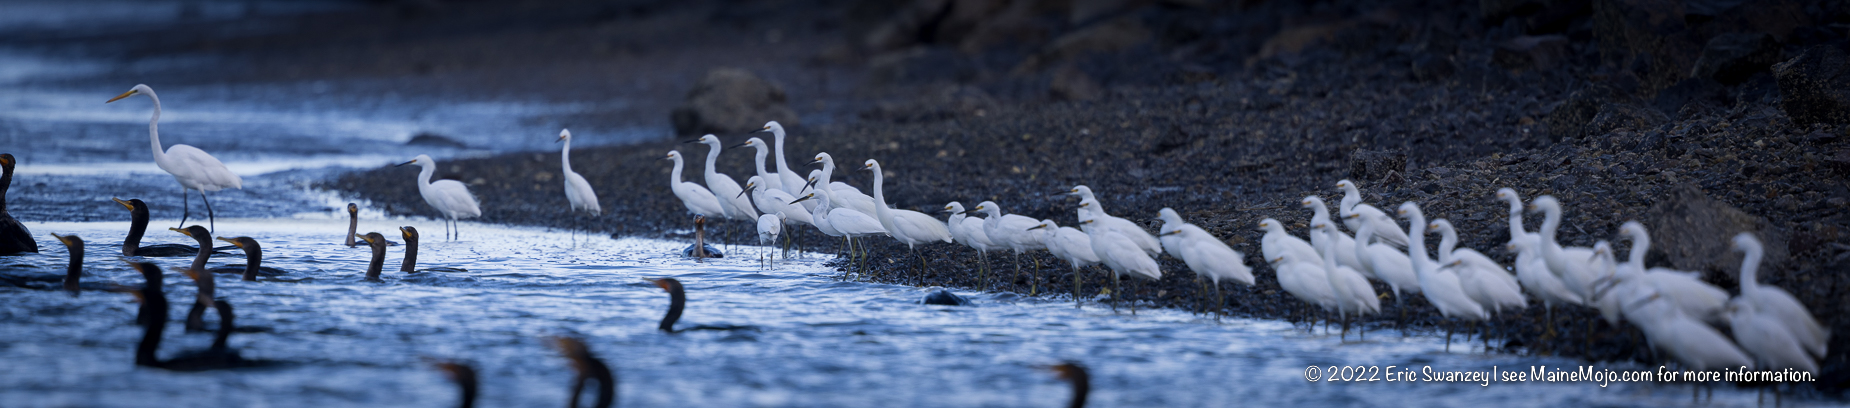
pixel 1376 165
pixel 1614 116
pixel 1570 119
pixel 731 100
pixel 1527 52
pixel 428 139
pixel 1815 86
pixel 1648 34
pixel 1732 58
pixel 1696 233
pixel 1071 84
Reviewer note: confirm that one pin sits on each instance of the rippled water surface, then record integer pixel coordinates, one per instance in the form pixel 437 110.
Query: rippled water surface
pixel 817 341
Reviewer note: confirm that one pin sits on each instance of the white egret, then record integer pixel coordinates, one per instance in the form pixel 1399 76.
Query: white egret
pixel 698 200
pixel 1388 231
pixel 450 197
pixel 1685 290
pixel 1776 303
pixel 1305 280
pixel 1344 246
pixel 770 200
pixel 1440 287
pixel 1354 296
pixel 769 180
pixel 769 225
pixel 193 168
pixel 1574 265
pixel 1531 270
pixel 1070 244
pixel 1119 253
pixel 912 228
pixel 1766 338
pixel 1131 230
pixel 1482 278
pixel 578 193
pixel 1696 345
pixel 1516 229
pixel 968 230
pixel 1204 253
pixel 724 187
pixel 1010 231
pixel 845 196
pixel 1389 265
pixel 788 180
pixel 1277 242
pixel 850 223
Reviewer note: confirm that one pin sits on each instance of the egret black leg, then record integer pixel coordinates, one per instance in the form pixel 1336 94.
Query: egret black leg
pixel 186 208
pixel 211 219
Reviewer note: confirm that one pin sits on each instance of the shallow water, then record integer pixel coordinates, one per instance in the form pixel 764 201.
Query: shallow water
pixel 818 341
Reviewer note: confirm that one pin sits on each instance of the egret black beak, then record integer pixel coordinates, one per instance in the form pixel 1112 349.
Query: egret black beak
pixel 125 204
pixel 561 139
pixel 807 186
pixel 131 92
pixel 817 161
pixel 1038 227
pixel 804 198
pixel 766 129
pixel 748 187
pixel 405 163
pixel 691 141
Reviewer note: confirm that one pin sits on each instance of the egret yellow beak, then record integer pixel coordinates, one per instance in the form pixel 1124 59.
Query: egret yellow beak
pixel 130 92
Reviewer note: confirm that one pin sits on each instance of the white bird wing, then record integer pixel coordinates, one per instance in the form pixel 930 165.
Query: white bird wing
pixel 1698 345
pixel 1770 342
pixel 1077 245
pixel 698 199
pixel 735 206
pixel 1696 298
pixel 1443 289
pixel 578 192
pixel 1533 272
pixel 1357 290
pixel 195 169
pixel 1125 253
pixel 453 199
pixel 1019 238
pixel 854 223
pixel 1214 258
pixel 920 226
pixel 1772 300
pixel 973 228
pixel 1135 233
pixel 1393 267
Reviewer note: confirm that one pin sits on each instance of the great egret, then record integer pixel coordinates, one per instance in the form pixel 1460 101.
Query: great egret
pixel 698 200
pixel 578 192
pixel 1204 253
pixel 14 237
pixel 193 168
pixel 1574 265
pixel 787 179
pixel 1011 231
pixel 723 186
pixel 1482 278
pixel 1440 287
pixel 1354 296
pixel 1776 302
pixel 450 197
pixel 1118 252
pixel 912 228
pixel 1069 244
pixel 1131 230
pixel 768 179
pixel 1344 246
pixel 1352 204
pixel 1277 242
pixel 844 196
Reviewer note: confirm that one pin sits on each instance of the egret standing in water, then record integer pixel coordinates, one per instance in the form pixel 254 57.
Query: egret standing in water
pixel 769 226
pixel 698 200
pixel 578 192
pixel 449 197
pixel 912 228
pixel 727 190
pixel 193 168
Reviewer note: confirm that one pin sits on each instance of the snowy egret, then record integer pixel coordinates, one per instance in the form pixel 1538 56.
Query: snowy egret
pixel 769 180
pixel 788 180
pixel 449 197
pixel 850 223
pixel 771 200
pixel 1344 245
pixel 253 260
pixel 578 193
pixel 912 228
pixel 698 200
pixel 769 225
pixel 1387 264
pixel 1069 244
pixel 1482 278
pixel 1131 230
pixel 1204 253
pixel 1354 296
pixel 844 196
pixel 1533 273
pixel 1574 265
pixel 14 237
pixel 724 187
pixel 1304 280
pixel 1696 345
pixel 1277 242
pixel 1352 204
pixel 1778 304
pixel 193 168
pixel 1769 341
pixel 1440 287
pixel 1118 252
pixel 586 368
pixel 1516 231
pixel 1011 231
pixel 1685 290
pixel 968 230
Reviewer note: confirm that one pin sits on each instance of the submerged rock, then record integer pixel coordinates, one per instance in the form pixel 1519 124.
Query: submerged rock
pixel 945 297
pixel 435 140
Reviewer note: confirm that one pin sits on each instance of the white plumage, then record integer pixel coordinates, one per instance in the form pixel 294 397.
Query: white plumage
pixel 698 199
pixel 1482 278
pixel 1776 303
pixel 193 168
pixel 1389 265
pixel 1387 231
pixel 450 197
pixel 912 228
pixel 724 187
pixel 1344 246
pixel 1203 252
pixel 1574 265
pixel 577 191
pixel 1131 230
pixel 1276 242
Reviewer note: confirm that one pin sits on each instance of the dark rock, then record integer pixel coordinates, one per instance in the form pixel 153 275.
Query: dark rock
pixel 1696 233
pixel 435 140
pixel 1732 58
pixel 1815 86
pixel 947 102
pixel 1671 101
pixel 1648 34
pixel 1070 83
pixel 1107 37
pixel 1531 52
pixel 946 298
pixel 1624 116
pixel 1430 67
pixel 1571 118
pixel 1494 11
pixel 731 100
pixel 1374 165
pixel 711 252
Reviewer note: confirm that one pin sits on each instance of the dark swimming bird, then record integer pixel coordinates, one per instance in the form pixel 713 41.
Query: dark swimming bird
pixel 138 225
pixel 253 260
pixel 378 263
pixel 14 237
pixel 411 254
pixel 677 299
pixel 154 308
pixel 71 279
pixel 589 368
pixel 195 317
pixel 464 376
pixel 1082 383
pixel 353 224
pixel 73 273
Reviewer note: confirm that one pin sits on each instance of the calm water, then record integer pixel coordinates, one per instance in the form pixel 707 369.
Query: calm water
pixel 819 341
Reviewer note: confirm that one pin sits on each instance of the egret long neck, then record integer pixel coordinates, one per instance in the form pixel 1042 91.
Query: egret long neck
pixel 1750 270
pixel 1641 242
pixel 154 130
pixel 1416 242
pixel 712 159
pixel 1448 241
pixel 1351 197
pixel 880 197
pixel 1515 216
pixel 764 151
pixel 1551 219
pixel 1362 234
pixel 253 260
pixel 782 166
pixel 676 174
pixel 1319 211
pixel 565 157
pixel 428 169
